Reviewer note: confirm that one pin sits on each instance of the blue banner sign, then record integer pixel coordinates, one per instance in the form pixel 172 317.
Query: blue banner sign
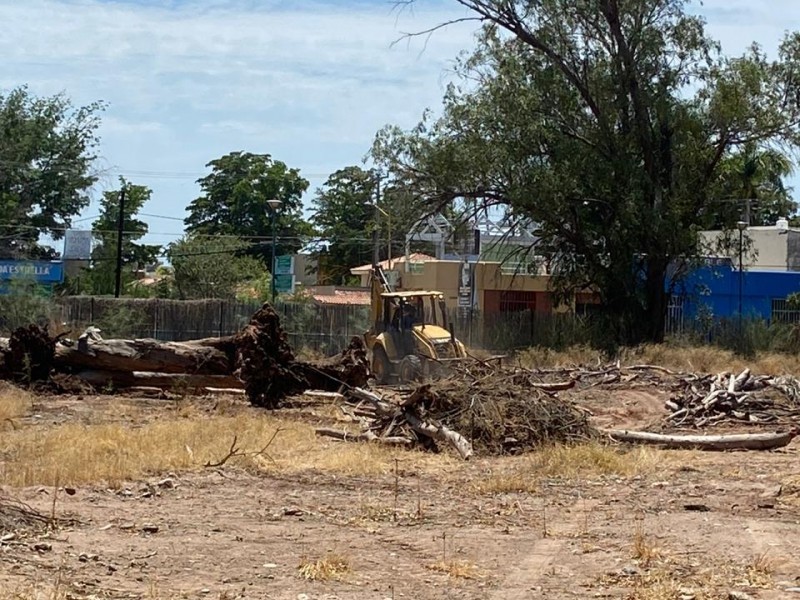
pixel 38 271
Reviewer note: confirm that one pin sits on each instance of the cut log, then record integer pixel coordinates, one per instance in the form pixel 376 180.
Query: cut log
pixel 557 386
pixel 381 406
pixel 211 356
pixel 440 432
pixel 122 379
pixel 367 436
pixel 745 441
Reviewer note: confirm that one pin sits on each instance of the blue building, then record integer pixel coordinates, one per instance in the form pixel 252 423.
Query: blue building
pixel 713 290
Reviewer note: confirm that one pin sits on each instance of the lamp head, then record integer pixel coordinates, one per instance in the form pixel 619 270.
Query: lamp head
pixel 274 203
pixel 741 225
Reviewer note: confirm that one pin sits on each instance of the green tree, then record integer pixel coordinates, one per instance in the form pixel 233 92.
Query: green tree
pixel 101 277
pixel 213 267
pixel 344 214
pixel 47 148
pixel 607 123
pixel 753 188
pixel 234 202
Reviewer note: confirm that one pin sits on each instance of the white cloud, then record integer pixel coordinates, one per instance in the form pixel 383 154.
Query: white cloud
pixel 308 82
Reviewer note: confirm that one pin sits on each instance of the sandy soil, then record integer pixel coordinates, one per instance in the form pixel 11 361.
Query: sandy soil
pixel 713 523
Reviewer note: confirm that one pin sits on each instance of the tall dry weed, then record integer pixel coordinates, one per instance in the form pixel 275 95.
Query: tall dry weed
pixel 117 452
pixel 14 403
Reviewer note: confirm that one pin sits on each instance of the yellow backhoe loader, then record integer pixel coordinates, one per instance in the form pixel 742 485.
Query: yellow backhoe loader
pixel 409 337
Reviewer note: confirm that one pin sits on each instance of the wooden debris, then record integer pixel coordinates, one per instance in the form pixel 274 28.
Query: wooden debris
pixel 746 441
pixel 702 400
pixel 366 436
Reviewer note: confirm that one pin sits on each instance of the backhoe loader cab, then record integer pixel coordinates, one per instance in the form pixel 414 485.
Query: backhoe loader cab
pixel 409 337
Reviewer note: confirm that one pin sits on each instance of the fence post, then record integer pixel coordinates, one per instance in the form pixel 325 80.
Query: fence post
pixel 221 315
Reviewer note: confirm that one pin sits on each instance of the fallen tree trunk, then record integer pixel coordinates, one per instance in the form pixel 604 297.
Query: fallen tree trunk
pixel 170 381
pixel 745 441
pixel 211 356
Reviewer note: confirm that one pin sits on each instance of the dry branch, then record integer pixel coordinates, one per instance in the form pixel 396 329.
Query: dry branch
pixel 366 436
pixel 235 450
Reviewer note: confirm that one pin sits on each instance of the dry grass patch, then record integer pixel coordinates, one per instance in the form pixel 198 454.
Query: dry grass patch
pixel 539 357
pixel 508 483
pixel 644 551
pixel 760 570
pixel 593 459
pixel 14 403
pixel 457 569
pixel 330 567
pixel 705 359
pixel 117 452
pixel 708 359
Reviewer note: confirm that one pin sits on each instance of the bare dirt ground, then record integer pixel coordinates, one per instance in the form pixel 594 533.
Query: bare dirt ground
pixel 685 525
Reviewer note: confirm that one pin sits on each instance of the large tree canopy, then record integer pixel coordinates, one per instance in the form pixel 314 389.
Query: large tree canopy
pixel 46 153
pixel 234 202
pixel 345 215
pixel 606 122
pixel 212 267
pixel 351 205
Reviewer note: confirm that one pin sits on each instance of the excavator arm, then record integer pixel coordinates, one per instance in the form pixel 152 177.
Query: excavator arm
pixel 379 285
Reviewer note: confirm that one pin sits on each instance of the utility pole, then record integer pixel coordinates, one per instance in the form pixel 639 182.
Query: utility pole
pixel 378 178
pixel 120 230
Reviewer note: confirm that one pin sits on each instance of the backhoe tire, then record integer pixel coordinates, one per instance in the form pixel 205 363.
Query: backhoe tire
pixel 410 369
pixel 381 367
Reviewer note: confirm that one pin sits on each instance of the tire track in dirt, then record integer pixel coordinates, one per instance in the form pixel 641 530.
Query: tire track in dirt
pixel 521 581
pixel 539 556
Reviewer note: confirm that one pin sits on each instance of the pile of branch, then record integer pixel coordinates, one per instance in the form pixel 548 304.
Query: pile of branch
pixel 479 408
pixel 16 516
pixel 703 400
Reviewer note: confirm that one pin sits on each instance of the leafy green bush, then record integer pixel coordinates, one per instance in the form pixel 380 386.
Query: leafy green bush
pixel 120 321
pixel 23 303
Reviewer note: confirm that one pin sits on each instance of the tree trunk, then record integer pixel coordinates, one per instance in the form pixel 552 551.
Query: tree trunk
pixel 655 300
pixel 211 356
pixel 169 381
pixel 745 441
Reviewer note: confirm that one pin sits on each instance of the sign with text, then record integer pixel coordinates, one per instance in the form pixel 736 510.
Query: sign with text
pixel 284 265
pixel 77 244
pixel 38 271
pixel 284 284
pixel 466 281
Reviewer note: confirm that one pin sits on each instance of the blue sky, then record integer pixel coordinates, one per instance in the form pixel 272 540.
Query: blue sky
pixel 309 82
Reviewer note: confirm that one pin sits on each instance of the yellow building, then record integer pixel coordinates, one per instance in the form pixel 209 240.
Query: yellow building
pixel 487 286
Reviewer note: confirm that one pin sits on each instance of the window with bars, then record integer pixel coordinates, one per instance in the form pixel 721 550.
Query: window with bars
pixel 514 301
pixel 783 313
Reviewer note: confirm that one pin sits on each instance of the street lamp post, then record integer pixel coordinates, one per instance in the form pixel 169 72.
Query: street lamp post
pixel 741 226
pixel 274 205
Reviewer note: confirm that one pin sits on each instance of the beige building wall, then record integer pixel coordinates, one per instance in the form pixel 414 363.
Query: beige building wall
pixel 445 276
pixel 768 248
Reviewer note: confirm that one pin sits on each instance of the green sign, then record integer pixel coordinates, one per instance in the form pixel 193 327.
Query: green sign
pixel 284 284
pixel 284 265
